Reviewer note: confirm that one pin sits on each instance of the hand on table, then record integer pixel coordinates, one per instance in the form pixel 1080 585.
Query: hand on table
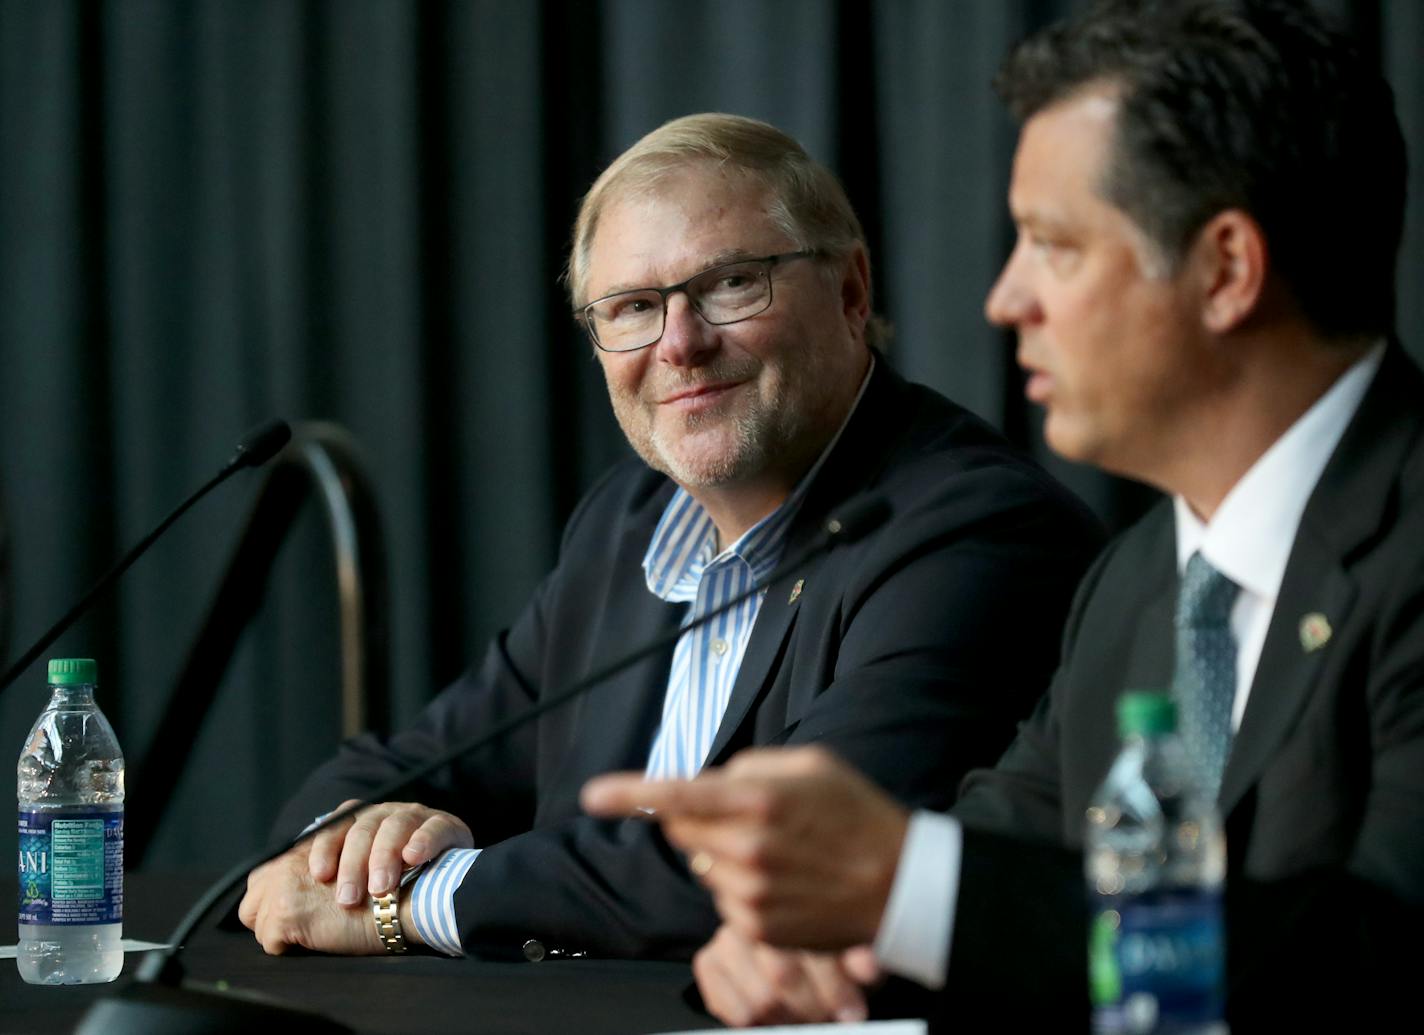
pixel 317 895
pixel 366 854
pixel 745 982
pixel 285 906
pixel 798 849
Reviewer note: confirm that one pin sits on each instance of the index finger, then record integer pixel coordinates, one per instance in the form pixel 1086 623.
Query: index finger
pixel 326 846
pixel 837 990
pixel 614 794
pixel 709 796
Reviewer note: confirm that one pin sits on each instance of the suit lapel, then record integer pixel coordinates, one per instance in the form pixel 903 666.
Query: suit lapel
pixel 858 456
pixel 1152 650
pixel 1346 510
pixel 627 713
pixel 1314 583
pixel 773 625
pixel 619 719
pixel 1124 644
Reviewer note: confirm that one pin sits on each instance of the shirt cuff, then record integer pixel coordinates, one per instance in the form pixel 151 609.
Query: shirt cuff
pixel 432 900
pixel 915 932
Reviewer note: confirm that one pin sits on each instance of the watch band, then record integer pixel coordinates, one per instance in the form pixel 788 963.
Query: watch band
pixel 386 911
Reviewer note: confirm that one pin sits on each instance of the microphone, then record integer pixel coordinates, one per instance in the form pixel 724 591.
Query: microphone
pixel 257 447
pixel 856 519
pixel 260 444
pixel 159 978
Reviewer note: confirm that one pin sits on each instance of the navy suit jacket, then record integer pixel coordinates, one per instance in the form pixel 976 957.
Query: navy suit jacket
pixel 912 653
pixel 1323 793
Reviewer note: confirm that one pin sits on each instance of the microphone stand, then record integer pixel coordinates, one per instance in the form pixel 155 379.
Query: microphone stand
pixel 159 1003
pixel 256 448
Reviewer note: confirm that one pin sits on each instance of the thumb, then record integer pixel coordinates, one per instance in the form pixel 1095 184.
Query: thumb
pixel 860 963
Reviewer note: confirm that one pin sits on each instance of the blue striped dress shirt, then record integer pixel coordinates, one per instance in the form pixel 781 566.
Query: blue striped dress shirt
pixel 682 565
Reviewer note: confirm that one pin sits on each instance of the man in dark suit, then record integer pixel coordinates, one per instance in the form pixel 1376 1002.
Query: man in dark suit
pixel 724 281
pixel 1209 196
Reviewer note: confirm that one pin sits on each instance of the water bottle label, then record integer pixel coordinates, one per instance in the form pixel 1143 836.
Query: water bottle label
pixel 1156 961
pixel 71 867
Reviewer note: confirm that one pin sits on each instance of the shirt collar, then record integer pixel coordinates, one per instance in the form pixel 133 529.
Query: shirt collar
pixel 684 543
pixel 1249 538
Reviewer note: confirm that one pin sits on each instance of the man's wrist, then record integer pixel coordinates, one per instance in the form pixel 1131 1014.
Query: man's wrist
pixel 385 910
pixel 391 915
pixel 889 867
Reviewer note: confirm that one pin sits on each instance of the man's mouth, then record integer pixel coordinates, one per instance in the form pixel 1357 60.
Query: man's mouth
pixel 1039 387
pixel 699 397
pixel 1039 384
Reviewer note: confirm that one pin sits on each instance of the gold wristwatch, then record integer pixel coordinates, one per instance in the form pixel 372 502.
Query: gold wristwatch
pixel 386 910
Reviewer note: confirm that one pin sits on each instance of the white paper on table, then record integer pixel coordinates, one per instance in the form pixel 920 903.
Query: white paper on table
pixel 7 952
pixel 866 1028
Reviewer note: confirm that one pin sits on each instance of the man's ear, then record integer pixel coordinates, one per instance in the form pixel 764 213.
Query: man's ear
pixel 1230 253
pixel 855 290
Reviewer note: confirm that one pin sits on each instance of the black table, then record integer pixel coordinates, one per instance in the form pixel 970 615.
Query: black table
pixel 415 993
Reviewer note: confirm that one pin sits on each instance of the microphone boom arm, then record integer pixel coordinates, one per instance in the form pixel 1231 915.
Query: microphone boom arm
pixel 256 448
pixel 855 520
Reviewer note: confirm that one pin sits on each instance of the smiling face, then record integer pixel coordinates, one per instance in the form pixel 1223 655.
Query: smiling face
pixel 748 404
pixel 1115 351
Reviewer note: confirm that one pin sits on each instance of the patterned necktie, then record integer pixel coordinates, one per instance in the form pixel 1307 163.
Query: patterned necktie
pixel 1204 684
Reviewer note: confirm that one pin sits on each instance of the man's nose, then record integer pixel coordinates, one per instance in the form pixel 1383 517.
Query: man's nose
pixel 687 338
pixel 1010 301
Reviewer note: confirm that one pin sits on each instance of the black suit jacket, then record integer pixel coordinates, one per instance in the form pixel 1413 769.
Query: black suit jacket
pixel 1323 793
pixel 912 653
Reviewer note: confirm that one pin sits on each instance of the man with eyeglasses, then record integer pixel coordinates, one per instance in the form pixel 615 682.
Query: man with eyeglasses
pixel 723 280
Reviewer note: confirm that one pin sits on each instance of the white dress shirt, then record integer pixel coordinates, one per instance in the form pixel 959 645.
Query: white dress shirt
pixel 1249 540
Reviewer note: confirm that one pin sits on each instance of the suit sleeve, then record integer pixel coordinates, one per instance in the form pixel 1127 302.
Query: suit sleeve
pixel 608 888
pixel 944 635
pixel 950 633
pixel 937 636
pixel 1021 795
pixel 493 791
pixel 1018 952
pixel 1325 945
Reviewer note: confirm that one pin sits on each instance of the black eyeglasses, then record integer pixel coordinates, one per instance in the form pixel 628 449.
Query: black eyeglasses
pixel 631 320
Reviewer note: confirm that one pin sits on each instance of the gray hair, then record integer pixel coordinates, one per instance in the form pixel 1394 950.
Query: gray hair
pixel 807 201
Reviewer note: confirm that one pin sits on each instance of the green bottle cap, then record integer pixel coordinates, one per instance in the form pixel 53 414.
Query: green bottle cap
pixel 1146 713
pixel 72 671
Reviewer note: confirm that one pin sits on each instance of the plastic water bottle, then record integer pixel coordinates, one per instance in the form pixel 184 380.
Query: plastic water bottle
pixel 1155 860
pixel 71 795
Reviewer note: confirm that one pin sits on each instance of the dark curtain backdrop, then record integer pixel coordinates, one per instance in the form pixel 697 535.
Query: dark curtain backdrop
pixel 220 210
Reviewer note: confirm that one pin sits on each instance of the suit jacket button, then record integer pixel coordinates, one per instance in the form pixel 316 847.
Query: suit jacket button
pixel 534 950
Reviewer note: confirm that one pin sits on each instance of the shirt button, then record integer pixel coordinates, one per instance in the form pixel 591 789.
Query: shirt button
pixel 719 647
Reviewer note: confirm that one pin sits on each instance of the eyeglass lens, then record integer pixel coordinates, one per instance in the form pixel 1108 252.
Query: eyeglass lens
pixel 721 295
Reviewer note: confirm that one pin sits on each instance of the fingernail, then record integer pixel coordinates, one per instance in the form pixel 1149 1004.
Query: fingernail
pixel 851 1014
pixel 380 882
pixel 349 894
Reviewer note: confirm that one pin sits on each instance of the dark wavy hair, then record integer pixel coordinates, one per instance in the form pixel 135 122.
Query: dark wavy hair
pixel 1257 105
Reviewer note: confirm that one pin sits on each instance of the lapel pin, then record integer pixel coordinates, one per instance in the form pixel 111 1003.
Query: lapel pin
pixel 795 591
pixel 1314 631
